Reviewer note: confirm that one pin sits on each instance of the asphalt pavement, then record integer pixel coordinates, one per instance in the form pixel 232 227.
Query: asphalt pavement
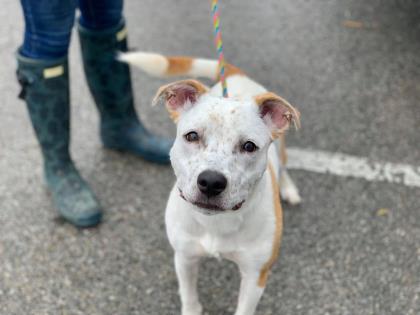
pixel 351 67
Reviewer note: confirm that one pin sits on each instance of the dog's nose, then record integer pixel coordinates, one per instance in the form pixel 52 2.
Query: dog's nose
pixel 211 183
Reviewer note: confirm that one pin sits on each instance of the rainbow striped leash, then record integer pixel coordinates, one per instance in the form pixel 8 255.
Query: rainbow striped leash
pixel 219 45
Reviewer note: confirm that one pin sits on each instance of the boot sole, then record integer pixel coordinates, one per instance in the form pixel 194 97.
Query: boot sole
pixel 86 222
pixel 144 155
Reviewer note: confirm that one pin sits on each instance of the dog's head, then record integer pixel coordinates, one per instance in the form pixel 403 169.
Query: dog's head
pixel 220 151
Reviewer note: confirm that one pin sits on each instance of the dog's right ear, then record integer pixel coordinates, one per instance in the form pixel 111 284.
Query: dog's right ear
pixel 180 96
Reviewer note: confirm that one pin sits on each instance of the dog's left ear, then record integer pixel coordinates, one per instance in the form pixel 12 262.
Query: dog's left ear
pixel 180 96
pixel 277 113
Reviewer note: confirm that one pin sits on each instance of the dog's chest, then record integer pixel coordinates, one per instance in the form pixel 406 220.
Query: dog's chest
pixel 221 238
pixel 215 246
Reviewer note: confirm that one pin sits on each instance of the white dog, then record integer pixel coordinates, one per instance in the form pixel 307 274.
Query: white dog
pixel 225 202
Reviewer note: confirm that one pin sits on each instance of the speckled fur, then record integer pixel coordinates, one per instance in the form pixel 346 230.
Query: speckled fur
pixel 223 125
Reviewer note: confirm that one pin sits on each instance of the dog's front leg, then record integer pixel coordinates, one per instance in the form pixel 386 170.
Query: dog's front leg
pixel 250 292
pixel 187 273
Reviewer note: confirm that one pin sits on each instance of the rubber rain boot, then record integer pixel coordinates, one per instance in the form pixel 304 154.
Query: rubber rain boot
pixel 45 88
pixel 110 84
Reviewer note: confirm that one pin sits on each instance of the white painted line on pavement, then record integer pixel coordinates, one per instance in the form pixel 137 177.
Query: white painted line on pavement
pixel 352 166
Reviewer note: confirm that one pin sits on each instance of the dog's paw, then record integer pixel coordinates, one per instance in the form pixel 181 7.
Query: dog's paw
pixel 288 190
pixel 195 309
pixel 291 195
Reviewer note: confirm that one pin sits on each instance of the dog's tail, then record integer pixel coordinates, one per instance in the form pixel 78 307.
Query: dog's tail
pixel 166 66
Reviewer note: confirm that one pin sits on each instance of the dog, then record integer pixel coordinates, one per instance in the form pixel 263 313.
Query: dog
pixel 229 159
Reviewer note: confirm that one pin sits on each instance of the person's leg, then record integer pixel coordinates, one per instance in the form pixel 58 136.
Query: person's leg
pixel 44 77
pixel 102 35
pixel 48 25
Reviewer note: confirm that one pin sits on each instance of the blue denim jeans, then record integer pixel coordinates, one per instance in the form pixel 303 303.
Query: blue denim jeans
pixel 48 23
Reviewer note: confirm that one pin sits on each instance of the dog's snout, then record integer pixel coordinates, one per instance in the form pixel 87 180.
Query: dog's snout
pixel 211 183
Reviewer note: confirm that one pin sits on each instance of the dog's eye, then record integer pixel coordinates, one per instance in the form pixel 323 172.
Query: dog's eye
pixel 192 136
pixel 249 147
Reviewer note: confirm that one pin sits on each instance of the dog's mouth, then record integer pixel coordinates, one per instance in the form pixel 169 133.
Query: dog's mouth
pixel 210 206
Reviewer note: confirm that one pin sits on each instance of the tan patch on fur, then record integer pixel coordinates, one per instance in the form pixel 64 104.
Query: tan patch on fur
pixel 166 91
pixel 283 153
pixel 173 115
pixel 292 115
pixel 179 65
pixel 231 70
pixel 262 280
